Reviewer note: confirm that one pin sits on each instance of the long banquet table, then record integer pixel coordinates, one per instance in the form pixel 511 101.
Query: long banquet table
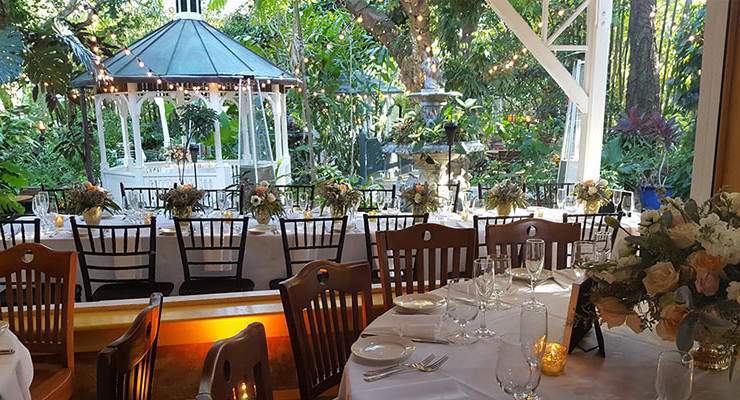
pixel 627 372
pixel 264 252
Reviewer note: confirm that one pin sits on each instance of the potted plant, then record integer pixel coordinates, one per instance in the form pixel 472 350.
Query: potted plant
pixel 680 277
pixel 90 201
pixel 592 194
pixel 264 203
pixel 661 134
pixel 194 123
pixel 504 196
pixel 181 201
pixel 421 198
pixel 339 197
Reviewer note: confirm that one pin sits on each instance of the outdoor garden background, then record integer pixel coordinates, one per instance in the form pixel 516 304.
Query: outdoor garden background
pixel 654 67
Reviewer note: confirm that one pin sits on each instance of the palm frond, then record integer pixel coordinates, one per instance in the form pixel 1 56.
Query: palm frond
pixel 80 52
pixel 11 54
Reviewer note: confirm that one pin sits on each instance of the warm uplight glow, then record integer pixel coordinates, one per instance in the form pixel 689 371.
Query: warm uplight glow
pixel 553 362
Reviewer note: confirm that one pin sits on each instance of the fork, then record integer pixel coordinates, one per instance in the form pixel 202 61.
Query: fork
pixel 423 368
pixel 425 361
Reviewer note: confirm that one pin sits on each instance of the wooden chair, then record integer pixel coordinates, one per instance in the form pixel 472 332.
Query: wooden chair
pixel 592 223
pixel 149 196
pixel 324 235
pixel 369 197
pixel 233 362
pixel 296 192
pixel 59 197
pixel 322 294
pixel 480 224
pixel 376 223
pixel 545 193
pixel 206 237
pixel 40 312
pixel 411 254
pixel 14 231
pixel 126 366
pixel 510 238
pixel 121 258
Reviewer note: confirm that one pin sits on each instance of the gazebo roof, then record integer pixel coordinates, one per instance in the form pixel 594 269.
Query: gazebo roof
pixel 187 50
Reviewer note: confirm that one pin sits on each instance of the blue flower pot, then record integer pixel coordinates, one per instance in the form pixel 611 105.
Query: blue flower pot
pixel 650 199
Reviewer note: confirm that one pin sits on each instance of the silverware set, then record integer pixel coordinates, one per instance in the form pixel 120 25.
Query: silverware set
pixel 429 364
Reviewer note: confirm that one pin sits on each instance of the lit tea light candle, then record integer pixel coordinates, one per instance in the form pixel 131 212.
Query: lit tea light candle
pixel 228 214
pixel 148 218
pixel 59 221
pixel 539 213
pixel 307 214
pixel 553 361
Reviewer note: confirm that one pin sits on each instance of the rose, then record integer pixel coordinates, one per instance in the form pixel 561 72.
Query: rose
pixel 733 291
pixel 706 283
pixel 703 261
pixel 592 190
pixel 660 278
pixel 684 235
pixel 255 200
pixel 342 188
pixel 271 198
pixel 612 311
pixel 670 317
pixel 185 187
pixel 635 323
pixel 418 188
pixel 261 189
pixel 417 198
pixel 649 222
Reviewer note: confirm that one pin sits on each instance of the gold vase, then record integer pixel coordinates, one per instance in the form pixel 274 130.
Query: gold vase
pixel 504 210
pixel 262 215
pixel 592 207
pixel 92 215
pixel 338 212
pixel 713 357
pixel 182 212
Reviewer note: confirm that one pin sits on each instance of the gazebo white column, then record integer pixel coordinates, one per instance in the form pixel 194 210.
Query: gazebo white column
pixel 122 105
pixel 159 101
pixel 214 102
pixel 134 109
pixel 286 164
pixel 101 133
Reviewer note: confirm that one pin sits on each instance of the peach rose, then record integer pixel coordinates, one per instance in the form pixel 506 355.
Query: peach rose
pixel 261 189
pixel 419 188
pixel 612 311
pixel 660 278
pixel 706 283
pixel 670 317
pixel 635 323
pixel 702 261
pixel 186 186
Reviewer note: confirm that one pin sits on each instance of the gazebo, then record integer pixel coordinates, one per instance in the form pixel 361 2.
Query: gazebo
pixel 188 60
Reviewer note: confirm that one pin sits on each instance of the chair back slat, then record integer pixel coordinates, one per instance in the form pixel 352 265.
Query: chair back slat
pixel 306 234
pixel 228 235
pixel 409 244
pixel 237 368
pixel 39 294
pixel 376 223
pixel 370 196
pixel 454 190
pixel 14 231
pixel 150 196
pixel 126 366
pixel 510 239
pixel 480 224
pixel 107 250
pixel 318 295
pixel 295 192
pixel 592 223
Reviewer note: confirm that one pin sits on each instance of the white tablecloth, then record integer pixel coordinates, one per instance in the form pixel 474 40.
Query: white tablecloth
pixel 627 372
pixel 264 253
pixel 16 370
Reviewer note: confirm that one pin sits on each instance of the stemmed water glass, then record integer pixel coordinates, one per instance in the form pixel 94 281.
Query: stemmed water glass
pixel 221 200
pixel 627 202
pixel 393 205
pixel 570 204
pixel 40 206
pixel 513 371
pixel 583 253
pixel 135 205
pixel 501 280
pixel 534 261
pixel 51 217
pixel 462 307
pixel 381 200
pixel 533 337
pixel 675 375
pixel 616 198
pixel 560 198
pixel 483 277
pixel 303 201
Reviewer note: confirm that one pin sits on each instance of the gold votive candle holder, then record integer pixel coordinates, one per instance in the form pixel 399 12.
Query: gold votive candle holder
pixel 148 218
pixel 59 221
pixel 553 361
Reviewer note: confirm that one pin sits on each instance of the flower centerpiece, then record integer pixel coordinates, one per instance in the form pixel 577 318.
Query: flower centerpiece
pixel 339 197
pixel 264 203
pixel 680 278
pixel 592 194
pixel 179 155
pixel 182 200
pixel 421 198
pixel 504 196
pixel 89 201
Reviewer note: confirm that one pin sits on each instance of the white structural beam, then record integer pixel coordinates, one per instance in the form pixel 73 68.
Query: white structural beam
pixel 214 102
pixel 123 115
pixel 598 30
pixel 159 101
pixel 134 109
pixel 545 21
pixel 541 52
pixel 576 48
pixel 568 22
pixel 101 133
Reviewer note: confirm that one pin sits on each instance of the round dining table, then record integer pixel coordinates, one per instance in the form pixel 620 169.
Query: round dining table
pixel 16 368
pixel 627 372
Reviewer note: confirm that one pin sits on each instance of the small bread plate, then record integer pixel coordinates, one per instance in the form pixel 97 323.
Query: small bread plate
pixel 167 231
pixel 522 274
pixel 419 303
pixel 259 229
pixel 382 350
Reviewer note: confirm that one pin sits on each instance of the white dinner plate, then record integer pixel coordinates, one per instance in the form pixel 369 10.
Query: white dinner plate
pixel 522 274
pixel 260 229
pixel 167 231
pixel 383 349
pixel 423 303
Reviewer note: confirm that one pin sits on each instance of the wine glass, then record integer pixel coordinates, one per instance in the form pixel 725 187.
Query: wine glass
pixel 40 206
pixel 393 205
pixel 560 198
pixel 513 371
pixel 287 203
pixel 221 200
pixel 675 375
pixel 583 253
pixel 627 202
pixel 51 216
pixel 534 261
pixel 462 307
pixel 303 201
pixel 616 198
pixel 602 245
pixel 483 278
pixel 501 280
pixel 570 204
pixel 135 204
pixel 533 337
pixel 381 200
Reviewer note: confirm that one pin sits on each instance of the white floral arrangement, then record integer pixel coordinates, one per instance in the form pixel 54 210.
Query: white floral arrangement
pixel 264 202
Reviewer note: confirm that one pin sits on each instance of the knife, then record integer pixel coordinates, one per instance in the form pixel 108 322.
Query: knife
pixel 411 338
pixel 6 351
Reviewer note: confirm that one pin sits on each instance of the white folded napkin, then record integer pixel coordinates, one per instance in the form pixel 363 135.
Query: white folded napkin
pixel 440 389
pixel 414 330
